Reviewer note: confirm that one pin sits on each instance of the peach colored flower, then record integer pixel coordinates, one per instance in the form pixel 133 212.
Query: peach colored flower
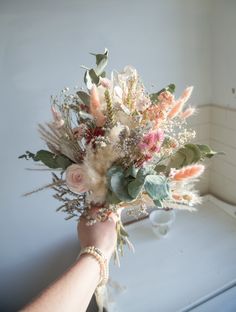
pixel 95 107
pixel 177 108
pixel 186 95
pixel 187 172
pixel 187 113
pixel 75 179
pixel 166 97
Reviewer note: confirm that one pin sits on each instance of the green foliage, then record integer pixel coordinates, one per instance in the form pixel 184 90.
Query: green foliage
pixel 48 159
pixel 101 62
pixel 125 187
pixel 131 171
pixel 144 171
pixel 189 154
pixel 112 170
pixel 160 168
pixel 92 75
pixel 154 96
pixel 157 187
pixel 111 198
pixel 135 187
pixel 85 98
pixel 119 186
pixel 206 151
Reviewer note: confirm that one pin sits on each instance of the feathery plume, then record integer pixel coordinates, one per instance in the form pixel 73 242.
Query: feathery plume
pixel 95 107
pixel 180 103
pixel 188 112
pixel 187 173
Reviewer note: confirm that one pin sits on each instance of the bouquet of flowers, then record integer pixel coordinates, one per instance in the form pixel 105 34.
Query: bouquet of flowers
pixel 116 146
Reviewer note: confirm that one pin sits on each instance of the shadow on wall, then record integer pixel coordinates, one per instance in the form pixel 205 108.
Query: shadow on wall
pixel 24 281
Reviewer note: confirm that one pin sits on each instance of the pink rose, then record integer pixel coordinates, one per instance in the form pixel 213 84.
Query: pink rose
pixel 75 179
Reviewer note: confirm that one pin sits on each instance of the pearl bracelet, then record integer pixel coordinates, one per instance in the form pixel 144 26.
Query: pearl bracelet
pixel 98 255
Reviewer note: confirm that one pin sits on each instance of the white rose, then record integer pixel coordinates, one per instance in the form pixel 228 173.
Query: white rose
pixel 75 179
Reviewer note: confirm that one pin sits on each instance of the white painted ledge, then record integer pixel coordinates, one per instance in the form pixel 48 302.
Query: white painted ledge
pixel 195 262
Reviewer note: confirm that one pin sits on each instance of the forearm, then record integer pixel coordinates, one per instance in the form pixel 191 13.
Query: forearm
pixel 71 292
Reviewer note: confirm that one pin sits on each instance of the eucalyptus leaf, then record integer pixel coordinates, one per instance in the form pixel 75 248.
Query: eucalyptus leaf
pixel 112 170
pixel 206 151
pixel 85 98
pixel 196 152
pixel 135 187
pixel 111 198
pixel 157 187
pixel 119 186
pixel 53 161
pixel 63 162
pixel 160 168
pixel 94 77
pixel 144 171
pixel 103 74
pixel 177 160
pixel 87 80
pixel 49 159
pixel 100 57
pixel 101 66
pixel 131 171
pixel 28 155
pixel 85 116
pixel 189 155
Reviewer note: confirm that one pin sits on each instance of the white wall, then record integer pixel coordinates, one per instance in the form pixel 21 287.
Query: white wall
pixel 42 46
pixel 223 52
pixel 222 181
pixel 223 168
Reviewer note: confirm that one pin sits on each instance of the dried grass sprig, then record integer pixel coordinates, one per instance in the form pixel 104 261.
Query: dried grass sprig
pixel 51 185
pixel 110 113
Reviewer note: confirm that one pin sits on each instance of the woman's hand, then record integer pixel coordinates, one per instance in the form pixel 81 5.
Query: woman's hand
pixel 101 235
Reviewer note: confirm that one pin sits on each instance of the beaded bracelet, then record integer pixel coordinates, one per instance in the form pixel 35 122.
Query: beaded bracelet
pixel 98 255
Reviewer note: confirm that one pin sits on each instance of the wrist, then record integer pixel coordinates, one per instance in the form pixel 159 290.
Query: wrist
pixel 101 260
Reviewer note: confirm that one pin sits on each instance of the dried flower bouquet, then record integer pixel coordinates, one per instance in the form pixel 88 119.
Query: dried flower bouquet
pixel 117 146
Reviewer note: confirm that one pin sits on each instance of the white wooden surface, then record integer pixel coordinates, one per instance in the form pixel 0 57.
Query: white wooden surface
pixel 197 258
